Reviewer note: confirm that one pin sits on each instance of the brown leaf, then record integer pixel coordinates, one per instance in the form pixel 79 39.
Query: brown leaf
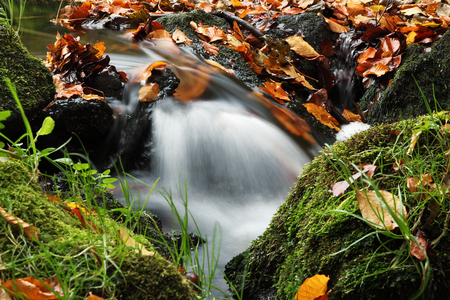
pixel 192 83
pixel 351 117
pixel 211 49
pixel 179 37
pixel 3 294
pixel 335 26
pixel 415 249
pixel 159 34
pixel 209 33
pixel 149 92
pixel 322 115
pixel 29 229
pixel 275 90
pixel 294 124
pixel 93 297
pixel 373 208
pixel 33 289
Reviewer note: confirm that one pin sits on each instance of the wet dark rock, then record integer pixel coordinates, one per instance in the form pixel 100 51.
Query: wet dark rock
pixel 89 120
pixel 109 81
pixel 33 82
pixel 402 98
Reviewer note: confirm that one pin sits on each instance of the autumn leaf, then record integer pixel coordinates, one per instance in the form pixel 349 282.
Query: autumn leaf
pixel 211 49
pixel 322 115
pixel 301 47
pixel 180 38
pixel 29 229
pixel 351 117
pixel 312 288
pixel 148 71
pixel 373 208
pixel 414 138
pixel 149 92
pixel 209 33
pixel 33 289
pixel 294 124
pixel 335 26
pixel 219 66
pixel 129 241
pixel 275 90
pixel 93 297
pixel 420 254
pixel 159 34
pixel 339 188
pixel 100 47
pixel 193 82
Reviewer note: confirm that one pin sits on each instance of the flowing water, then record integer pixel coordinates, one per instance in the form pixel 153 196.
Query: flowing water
pixel 238 157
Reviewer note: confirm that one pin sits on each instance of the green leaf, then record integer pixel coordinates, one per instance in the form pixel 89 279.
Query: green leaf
pixel 109 180
pixel 47 126
pixel 47 151
pixel 64 160
pixel 4 115
pixel 110 186
pixel 80 167
pixel 91 172
pixel 2 145
pixel 106 172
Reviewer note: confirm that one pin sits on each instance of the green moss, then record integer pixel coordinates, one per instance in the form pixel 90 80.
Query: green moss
pixel 304 233
pixel 153 277
pixel 33 81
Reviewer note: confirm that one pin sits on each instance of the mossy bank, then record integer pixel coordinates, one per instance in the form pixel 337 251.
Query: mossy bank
pixel 304 234
pixel 84 260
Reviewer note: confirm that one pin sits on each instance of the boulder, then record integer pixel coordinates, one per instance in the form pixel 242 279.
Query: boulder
pixel 33 81
pixel 307 237
pixel 424 68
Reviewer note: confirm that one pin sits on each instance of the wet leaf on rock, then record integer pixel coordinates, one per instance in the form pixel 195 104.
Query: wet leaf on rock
pixel 149 92
pixel 301 47
pixel 180 38
pixel 322 115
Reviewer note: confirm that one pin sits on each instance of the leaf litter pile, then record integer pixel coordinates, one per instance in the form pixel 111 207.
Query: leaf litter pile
pixel 381 31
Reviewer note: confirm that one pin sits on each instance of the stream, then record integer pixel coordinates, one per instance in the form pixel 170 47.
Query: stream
pixel 238 161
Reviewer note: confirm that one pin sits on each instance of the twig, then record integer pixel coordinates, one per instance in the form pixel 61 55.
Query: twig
pixel 447 219
pixel 230 18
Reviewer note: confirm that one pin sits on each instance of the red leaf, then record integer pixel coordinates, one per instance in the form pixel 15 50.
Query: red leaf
pixel 415 249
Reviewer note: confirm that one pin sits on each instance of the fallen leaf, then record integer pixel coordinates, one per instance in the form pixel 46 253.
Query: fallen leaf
pixel 180 38
pixel 415 249
pixel 33 289
pixel 29 229
pixel 322 115
pixel 211 49
pixel 93 297
pixel 159 34
pixel 312 288
pixel 351 117
pixel 336 27
pixel 301 47
pixel 294 124
pixel 414 138
pixel 374 209
pixel 339 188
pixel 129 241
pixel 149 92
pixel 3 294
pixel 275 90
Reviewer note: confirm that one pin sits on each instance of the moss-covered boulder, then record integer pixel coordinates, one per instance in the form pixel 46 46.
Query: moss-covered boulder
pixel 85 256
pixel 33 81
pixel 402 99
pixel 305 235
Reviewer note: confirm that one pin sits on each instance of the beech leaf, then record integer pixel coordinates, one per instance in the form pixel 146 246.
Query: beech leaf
pixel 149 92
pixel 312 288
pixel 420 254
pixel 339 188
pixel 33 289
pixel 129 241
pixel 373 208
pixel 29 229
pixel 180 38
pixel 322 115
pixel 301 47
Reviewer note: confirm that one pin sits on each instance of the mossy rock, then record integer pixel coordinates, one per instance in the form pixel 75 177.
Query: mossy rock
pixel 151 278
pixel 33 81
pixel 402 99
pixel 63 238
pixel 304 234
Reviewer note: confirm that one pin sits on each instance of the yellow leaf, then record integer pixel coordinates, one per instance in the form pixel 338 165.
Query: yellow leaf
pixel 351 117
pixel 336 27
pixel 129 241
pixel 411 38
pixel 312 288
pixel 301 47
pixel 373 208
pixel 100 47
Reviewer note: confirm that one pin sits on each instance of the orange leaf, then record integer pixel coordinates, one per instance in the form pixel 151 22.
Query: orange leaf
pixel 100 47
pixel 211 49
pixel 149 92
pixel 368 53
pixel 312 288
pixel 192 83
pixel 206 7
pixel 209 33
pixel 275 90
pixel 33 289
pixel 236 3
pixel 159 34
pixel 155 65
pixel 351 117
pixel 93 297
pixel 336 27
pixel 415 249
pixel 301 47
pixel 322 115
pixel 29 229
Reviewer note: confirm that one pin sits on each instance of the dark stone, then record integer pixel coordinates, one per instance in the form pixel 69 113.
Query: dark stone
pixel 109 81
pixel 402 99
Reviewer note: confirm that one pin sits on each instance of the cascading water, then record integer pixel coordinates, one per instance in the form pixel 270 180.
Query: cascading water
pixel 238 152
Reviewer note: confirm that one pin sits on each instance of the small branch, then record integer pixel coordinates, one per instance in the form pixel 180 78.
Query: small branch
pixel 436 241
pixel 230 18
